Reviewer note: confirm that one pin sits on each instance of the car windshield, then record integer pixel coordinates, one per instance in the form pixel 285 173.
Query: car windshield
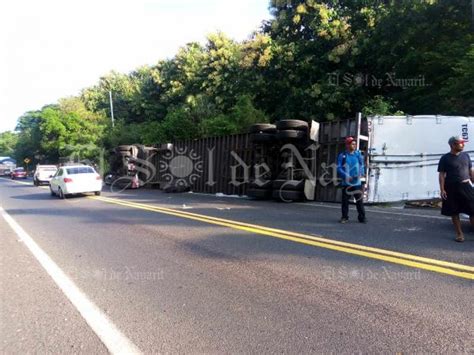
pixel 47 169
pixel 19 170
pixel 80 170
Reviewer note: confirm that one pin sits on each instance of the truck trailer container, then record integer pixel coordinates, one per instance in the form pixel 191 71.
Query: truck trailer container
pixel 404 151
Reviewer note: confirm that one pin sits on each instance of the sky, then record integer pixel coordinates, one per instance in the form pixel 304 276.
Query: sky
pixel 51 49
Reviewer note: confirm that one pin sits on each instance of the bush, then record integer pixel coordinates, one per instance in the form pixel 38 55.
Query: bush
pixel 244 114
pixel 218 126
pixel 178 125
pixel 380 105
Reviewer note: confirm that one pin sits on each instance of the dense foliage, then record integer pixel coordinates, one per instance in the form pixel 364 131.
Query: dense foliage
pixel 66 129
pixel 315 59
pixel 8 141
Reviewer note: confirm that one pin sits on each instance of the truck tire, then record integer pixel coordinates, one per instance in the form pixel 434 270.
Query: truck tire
pixel 297 125
pixel 291 134
pixel 263 128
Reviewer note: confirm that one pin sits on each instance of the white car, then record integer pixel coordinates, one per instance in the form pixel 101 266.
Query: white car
pixel 44 174
pixel 75 179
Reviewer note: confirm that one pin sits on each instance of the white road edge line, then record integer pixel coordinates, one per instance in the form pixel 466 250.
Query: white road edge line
pixel 108 333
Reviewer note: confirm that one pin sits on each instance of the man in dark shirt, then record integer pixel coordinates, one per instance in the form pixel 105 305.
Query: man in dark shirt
pixel 455 176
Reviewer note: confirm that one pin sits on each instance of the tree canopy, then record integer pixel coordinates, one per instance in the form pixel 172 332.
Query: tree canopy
pixel 314 60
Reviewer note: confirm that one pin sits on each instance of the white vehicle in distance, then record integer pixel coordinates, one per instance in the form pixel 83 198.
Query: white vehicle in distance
pixel 75 179
pixel 43 174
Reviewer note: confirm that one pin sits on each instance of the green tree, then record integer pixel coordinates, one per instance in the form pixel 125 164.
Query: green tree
pixel 458 91
pixel 8 141
pixel 427 40
pixel 124 89
pixel 219 125
pixel 127 133
pixel 331 58
pixel 182 77
pixel 379 105
pixel 70 130
pixel 241 116
pixel 221 71
pixel 29 137
pixel 310 41
pixel 178 125
pixel 315 59
pixel 255 71
pixel 58 131
pixel 244 113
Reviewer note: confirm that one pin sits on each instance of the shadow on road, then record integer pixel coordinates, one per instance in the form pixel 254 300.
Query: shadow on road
pixel 33 197
pixel 420 236
pixel 46 196
pixel 215 242
pixel 16 186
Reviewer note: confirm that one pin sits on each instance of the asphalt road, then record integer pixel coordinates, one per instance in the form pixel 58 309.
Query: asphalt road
pixel 189 277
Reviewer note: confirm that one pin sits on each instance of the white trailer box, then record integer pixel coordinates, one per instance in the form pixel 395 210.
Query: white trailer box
pixel 404 152
pixel 7 165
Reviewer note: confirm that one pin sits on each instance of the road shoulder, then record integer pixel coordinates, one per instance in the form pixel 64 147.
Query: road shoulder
pixel 33 311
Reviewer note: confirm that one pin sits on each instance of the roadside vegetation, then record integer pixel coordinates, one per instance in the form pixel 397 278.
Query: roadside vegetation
pixel 315 60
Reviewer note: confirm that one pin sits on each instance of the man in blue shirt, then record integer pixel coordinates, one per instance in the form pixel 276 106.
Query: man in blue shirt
pixel 350 168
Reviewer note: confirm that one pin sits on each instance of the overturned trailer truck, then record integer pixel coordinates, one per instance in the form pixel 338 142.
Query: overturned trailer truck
pixel 401 155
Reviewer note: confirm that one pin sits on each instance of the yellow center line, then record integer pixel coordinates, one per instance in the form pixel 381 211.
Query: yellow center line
pixel 311 237
pixel 439 266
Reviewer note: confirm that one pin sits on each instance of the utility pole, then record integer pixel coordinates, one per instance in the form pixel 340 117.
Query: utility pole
pixel 111 109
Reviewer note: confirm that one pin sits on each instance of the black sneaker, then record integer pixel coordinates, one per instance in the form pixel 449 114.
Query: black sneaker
pixel 362 220
pixel 344 220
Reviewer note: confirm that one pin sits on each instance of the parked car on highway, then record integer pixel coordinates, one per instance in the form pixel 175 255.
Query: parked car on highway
pixel 75 179
pixel 18 173
pixel 44 174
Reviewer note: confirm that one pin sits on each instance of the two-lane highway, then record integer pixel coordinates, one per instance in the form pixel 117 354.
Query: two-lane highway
pixel 196 273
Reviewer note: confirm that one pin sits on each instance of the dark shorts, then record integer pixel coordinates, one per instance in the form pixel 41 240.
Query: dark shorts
pixel 460 199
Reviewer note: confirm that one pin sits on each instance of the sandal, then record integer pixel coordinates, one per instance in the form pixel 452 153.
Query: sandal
pixel 459 239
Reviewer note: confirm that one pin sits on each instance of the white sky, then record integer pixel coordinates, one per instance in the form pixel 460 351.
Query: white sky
pixel 51 49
